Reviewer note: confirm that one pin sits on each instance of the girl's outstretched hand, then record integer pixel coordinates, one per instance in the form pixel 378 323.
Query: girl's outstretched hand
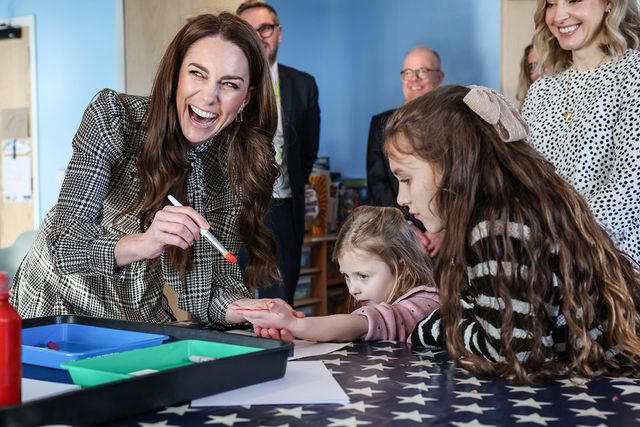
pixel 266 315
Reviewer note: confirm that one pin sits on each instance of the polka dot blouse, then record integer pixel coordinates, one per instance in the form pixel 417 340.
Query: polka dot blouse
pixel 587 123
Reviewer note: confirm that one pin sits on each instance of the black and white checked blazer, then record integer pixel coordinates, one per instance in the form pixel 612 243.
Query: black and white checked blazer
pixel 71 267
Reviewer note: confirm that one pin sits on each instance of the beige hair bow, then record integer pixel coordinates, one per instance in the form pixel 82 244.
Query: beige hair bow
pixel 496 110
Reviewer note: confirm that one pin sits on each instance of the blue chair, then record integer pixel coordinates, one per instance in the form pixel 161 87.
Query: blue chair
pixel 11 256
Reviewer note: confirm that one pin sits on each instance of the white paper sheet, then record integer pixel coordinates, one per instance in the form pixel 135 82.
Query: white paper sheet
pixel 303 348
pixel 16 170
pixel 36 389
pixel 303 383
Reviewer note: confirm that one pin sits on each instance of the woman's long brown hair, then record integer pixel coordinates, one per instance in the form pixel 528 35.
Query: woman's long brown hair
pixel 485 178
pixel 251 168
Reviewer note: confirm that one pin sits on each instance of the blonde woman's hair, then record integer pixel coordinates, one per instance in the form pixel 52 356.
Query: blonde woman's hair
pixel 621 32
pixel 383 231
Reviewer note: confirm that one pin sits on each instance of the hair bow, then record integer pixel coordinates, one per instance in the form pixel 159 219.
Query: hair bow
pixel 496 110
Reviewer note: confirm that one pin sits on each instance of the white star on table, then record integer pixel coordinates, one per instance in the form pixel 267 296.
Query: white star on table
pixel 377 366
pixel 628 389
pixel 372 379
pixel 228 420
pixel 381 357
pixel 417 399
pixel 427 353
pixel 530 403
pixel 419 386
pixel 533 418
pixel 336 362
pixel 297 412
pixel 366 391
pixel 583 396
pixel 461 370
pixel 342 353
pixel 473 423
pixel 358 406
pixel 475 408
pixel 158 424
pixel 623 380
pixel 387 348
pixel 470 380
pixel 634 406
pixel 413 416
pixel 574 382
pixel 421 374
pixel 426 363
pixel 591 412
pixel 179 410
pixel 471 394
pixel 523 389
pixel 346 422
pixel 334 372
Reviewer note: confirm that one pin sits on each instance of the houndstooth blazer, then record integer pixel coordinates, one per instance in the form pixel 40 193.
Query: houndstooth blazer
pixel 71 267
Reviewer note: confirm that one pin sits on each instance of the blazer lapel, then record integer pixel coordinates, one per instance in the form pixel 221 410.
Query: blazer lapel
pixel 286 91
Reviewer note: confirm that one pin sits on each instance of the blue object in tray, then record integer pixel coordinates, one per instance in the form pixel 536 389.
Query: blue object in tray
pixel 76 341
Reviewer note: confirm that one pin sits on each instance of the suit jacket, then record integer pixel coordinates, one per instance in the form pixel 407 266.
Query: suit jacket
pixel 301 128
pixel 381 183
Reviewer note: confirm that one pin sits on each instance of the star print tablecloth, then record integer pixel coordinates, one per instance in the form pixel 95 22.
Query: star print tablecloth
pixel 391 385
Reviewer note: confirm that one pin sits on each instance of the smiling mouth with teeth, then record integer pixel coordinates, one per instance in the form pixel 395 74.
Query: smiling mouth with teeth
pixel 566 30
pixel 201 117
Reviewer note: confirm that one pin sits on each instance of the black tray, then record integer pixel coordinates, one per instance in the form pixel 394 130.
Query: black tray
pixel 124 398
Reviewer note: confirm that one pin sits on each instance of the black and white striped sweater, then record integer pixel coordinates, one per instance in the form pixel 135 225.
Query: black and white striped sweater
pixel 482 312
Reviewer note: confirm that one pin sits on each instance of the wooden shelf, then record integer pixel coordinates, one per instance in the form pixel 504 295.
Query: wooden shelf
pixel 309 270
pixel 306 301
pixel 321 271
pixel 335 281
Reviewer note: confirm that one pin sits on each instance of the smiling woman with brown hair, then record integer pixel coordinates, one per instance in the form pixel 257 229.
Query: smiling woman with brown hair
pixel 204 135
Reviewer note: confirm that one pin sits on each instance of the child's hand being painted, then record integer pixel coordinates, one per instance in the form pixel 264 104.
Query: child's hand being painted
pixel 277 314
pixel 249 308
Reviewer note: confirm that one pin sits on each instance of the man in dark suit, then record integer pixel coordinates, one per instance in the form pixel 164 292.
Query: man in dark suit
pixel 296 144
pixel 420 74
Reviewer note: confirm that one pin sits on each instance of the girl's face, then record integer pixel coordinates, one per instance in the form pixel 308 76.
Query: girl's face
pixel 369 279
pixel 577 24
pixel 418 182
pixel 213 85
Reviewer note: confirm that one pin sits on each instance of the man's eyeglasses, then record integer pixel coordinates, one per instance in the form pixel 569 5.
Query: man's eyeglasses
pixel 266 30
pixel 420 73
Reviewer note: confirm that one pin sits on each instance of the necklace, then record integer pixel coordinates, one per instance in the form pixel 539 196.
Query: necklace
pixel 569 111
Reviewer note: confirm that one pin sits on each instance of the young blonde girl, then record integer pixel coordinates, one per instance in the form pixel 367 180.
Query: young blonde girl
pixel 387 273
pixel 531 286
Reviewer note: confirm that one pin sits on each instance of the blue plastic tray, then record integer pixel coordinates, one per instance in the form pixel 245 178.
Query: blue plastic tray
pixel 77 341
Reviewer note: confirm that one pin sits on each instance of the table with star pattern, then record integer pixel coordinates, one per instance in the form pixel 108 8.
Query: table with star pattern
pixel 389 384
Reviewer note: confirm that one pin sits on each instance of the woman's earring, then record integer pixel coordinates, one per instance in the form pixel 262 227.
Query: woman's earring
pixel 239 114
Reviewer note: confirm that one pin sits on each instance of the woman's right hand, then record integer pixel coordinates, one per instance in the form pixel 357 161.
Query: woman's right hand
pixel 171 226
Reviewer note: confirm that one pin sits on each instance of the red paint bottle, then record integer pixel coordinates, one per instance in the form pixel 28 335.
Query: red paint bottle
pixel 10 363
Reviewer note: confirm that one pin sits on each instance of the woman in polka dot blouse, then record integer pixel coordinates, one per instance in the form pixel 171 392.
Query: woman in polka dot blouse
pixel 584 115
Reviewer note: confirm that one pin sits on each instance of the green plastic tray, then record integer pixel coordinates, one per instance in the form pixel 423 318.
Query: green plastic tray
pixel 127 364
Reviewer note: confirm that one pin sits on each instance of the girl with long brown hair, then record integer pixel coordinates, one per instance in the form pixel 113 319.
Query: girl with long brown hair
pixel 387 274
pixel 204 136
pixel 531 287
